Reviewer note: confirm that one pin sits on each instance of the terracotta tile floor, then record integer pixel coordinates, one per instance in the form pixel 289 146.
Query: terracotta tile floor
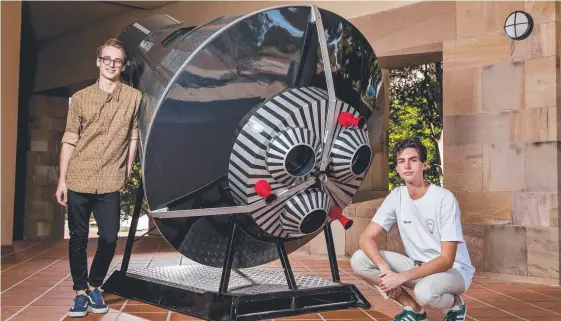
pixel 36 286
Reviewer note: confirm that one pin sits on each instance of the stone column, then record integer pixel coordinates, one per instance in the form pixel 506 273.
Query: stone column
pixel 47 119
pixel 11 29
pixel 501 123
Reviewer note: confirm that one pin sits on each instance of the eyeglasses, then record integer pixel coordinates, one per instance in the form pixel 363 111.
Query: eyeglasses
pixel 107 61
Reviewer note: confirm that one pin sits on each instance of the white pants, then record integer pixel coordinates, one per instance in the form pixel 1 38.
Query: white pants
pixel 433 291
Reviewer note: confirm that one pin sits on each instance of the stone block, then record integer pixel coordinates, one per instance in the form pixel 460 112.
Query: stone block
pixel 504 167
pixel 535 209
pixel 474 237
pixel 364 196
pixel 543 252
pixel 349 211
pixel 50 106
pixel 502 86
pixel 44 175
pixel 317 244
pixel 477 51
pixel 40 211
pixel 38 175
pixel 393 240
pixel 505 250
pixel 379 172
pixel 485 207
pixel 34 193
pixel 59 125
pixel 352 236
pixel 468 19
pixel 463 168
pixel 39 145
pixel 495 13
pixel 55 145
pixel 541 43
pixel 541 11
pixel 48 192
pixel 534 125
pixel 541 167
pixel 481 128
pixel 33 123
pixel 367 209
pixel 49 159
pixel 541 82
pixel 461 91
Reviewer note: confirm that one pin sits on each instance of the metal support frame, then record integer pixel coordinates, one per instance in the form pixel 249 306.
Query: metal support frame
pixel 132 230
pixel 331 252
pixel 286 266
pixel 228 260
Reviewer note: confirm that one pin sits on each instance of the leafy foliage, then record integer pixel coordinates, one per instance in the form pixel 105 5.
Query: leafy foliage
pixel 416 110
pixel 128 194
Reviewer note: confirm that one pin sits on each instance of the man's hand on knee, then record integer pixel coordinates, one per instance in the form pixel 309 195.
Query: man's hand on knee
pixel 393 294
pixel 391 280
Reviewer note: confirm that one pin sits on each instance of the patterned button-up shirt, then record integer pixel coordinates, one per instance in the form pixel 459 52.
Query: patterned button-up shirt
pixel 101 126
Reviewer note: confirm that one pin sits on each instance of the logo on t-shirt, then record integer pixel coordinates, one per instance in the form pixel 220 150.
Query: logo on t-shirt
pixel 430 225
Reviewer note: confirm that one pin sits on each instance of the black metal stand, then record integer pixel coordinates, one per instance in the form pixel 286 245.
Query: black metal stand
pixel 286 266
pixel 132 229
pixel 228 261
pixel 240 303
pixel 331 253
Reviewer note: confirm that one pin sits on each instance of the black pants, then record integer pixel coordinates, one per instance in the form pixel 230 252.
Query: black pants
pixel 106 209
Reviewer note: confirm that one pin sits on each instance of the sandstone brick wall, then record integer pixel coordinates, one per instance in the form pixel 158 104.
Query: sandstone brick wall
pixel 501 141
pixel 44 217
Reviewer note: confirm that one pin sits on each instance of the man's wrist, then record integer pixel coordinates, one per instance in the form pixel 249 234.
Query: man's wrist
pixel 407 275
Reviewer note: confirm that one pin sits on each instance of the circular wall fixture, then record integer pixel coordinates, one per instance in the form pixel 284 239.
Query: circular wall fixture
pixel 518 25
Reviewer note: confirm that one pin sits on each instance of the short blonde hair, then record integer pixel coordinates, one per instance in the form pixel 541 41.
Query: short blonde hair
pixel 113 42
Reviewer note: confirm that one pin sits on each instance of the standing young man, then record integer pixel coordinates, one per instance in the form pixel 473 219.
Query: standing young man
pixel 437 265
pixel 98 150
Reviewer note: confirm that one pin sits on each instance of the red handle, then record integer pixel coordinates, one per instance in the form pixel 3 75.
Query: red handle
pixel 347 119
pixel 337 214
pixel 263 189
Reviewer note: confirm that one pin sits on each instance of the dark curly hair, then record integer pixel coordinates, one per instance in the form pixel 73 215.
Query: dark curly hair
pixel 413 142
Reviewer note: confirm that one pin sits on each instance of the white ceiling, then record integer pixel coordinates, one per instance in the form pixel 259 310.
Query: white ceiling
pixel 53 19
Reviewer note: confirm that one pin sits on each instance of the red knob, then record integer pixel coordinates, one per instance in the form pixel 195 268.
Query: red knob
pixel 346 222
pixel 337 214
pixel 347 119
pixel 263 189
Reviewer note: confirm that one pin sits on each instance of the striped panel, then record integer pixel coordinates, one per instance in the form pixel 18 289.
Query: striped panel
pixel 298 114
pixel 344 149
pixel 295 116
pixel 299 206
pixel 303 108
pixel 280 147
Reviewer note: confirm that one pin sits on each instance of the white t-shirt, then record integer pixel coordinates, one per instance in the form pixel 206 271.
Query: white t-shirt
pixel 424 223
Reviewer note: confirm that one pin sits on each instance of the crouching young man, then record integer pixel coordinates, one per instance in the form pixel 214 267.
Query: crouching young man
pixel 437 266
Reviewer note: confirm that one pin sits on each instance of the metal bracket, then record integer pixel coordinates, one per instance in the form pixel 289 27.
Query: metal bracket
pixel 340 197
pixel 331 119
pixel 283 195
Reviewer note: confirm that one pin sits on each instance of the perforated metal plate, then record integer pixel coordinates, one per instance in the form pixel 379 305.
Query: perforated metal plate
pixel 199 278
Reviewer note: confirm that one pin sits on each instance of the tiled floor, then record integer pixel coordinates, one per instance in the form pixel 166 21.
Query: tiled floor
pixel 36 285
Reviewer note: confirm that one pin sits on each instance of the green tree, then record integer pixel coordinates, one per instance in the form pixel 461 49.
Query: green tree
pixel 416 110
pixel 128 195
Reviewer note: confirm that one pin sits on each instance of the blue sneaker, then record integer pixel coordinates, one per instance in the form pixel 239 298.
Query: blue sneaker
pixel 80 307
pixel 97 305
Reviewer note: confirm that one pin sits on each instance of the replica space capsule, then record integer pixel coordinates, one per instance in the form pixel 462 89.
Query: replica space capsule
pixel 264 120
